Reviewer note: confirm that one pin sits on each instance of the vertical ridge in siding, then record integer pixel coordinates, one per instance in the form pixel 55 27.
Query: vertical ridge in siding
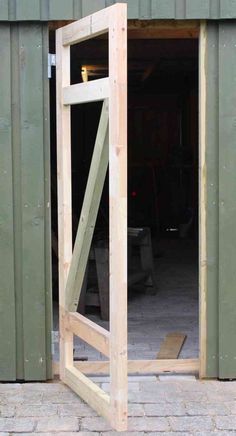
pixel 16 146
pixel 7 291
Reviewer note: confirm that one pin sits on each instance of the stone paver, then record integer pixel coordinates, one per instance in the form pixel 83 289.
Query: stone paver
pixel 168 407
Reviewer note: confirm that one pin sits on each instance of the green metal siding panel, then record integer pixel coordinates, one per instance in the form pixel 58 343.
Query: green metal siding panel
pixel 58 9
pixel 228 8
pixel 4 10
pixel 28 10
pixel 145 12
pixel 91 6
pixel 212 196
pixel 46 10
pixel 16 146
pixel 27 84
pixel 227 203
pixel 197 9
pixel 162 9
pixel 32 179
pixel 7 297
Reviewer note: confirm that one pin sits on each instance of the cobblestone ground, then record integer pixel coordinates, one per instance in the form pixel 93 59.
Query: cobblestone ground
pixel 166 405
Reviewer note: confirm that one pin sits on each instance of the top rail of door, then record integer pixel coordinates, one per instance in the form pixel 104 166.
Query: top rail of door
pixel 91 26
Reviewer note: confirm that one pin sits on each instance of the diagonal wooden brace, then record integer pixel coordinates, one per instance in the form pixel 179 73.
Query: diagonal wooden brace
pixel 89 213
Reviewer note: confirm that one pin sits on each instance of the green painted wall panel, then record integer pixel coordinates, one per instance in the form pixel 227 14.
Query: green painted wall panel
pixel 197 9
pixel 212 195
pixel 228 8
pixel 59 9
pixel 28 10
pixel 227 203
pixel 163 9
pixel 91 6
pixel 17 10
pixel 26 250
pixel 145 11
pixel 4 10
pixel 32 177
pixel 7 289
pixel 16 146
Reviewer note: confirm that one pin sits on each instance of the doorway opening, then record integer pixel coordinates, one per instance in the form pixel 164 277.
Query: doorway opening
pixel 163 296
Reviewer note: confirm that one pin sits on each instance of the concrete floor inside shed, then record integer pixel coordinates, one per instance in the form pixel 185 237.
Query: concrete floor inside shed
pixel 174 307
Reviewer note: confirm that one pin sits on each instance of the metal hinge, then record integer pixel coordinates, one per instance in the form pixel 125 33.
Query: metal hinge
pixel 51 63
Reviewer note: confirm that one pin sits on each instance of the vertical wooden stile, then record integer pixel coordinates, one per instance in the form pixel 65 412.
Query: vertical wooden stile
pixel 118 215
pixel 64 196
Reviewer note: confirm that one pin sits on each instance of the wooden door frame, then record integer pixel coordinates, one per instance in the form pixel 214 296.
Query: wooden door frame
pixel 159 366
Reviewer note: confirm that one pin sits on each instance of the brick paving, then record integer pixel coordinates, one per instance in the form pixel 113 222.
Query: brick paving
pixel 169 405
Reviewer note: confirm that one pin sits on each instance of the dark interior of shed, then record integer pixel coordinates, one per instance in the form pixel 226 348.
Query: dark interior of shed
pixel 162 191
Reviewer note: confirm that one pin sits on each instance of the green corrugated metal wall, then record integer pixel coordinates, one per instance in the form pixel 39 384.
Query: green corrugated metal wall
pixel 25 276
pixel 19 10
pixel 221 201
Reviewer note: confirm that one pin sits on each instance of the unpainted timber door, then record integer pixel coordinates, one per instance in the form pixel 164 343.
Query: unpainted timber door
pixel 110 146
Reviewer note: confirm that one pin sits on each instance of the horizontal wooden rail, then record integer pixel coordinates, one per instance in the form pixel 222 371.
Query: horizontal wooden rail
pixel 86 28
pixel 86 92
pixel 88 391
pixel 144 366
pixel 88 331
pixel 176 366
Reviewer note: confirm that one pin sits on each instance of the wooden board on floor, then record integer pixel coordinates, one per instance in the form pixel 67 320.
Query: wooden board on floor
pixel 171 346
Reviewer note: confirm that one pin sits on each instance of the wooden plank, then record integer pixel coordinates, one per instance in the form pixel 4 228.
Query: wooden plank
pixel 203 201
pixel 179 366
pixel 88 391
pixel 64 196
pixel 88 331
pixel 118 215
pixel 171 346
pixel 88 27
pixel 86 92
pixel 159 29
pixel 227 209
pixel 32 197
pixel 89 212
pixel 7 273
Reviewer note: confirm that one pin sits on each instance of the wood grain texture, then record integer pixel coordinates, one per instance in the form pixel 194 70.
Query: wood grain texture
pixel 118 214
pixel 64 197
pixel 88 331
pixel 88 216
pixel 179 366
pixel 171 346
